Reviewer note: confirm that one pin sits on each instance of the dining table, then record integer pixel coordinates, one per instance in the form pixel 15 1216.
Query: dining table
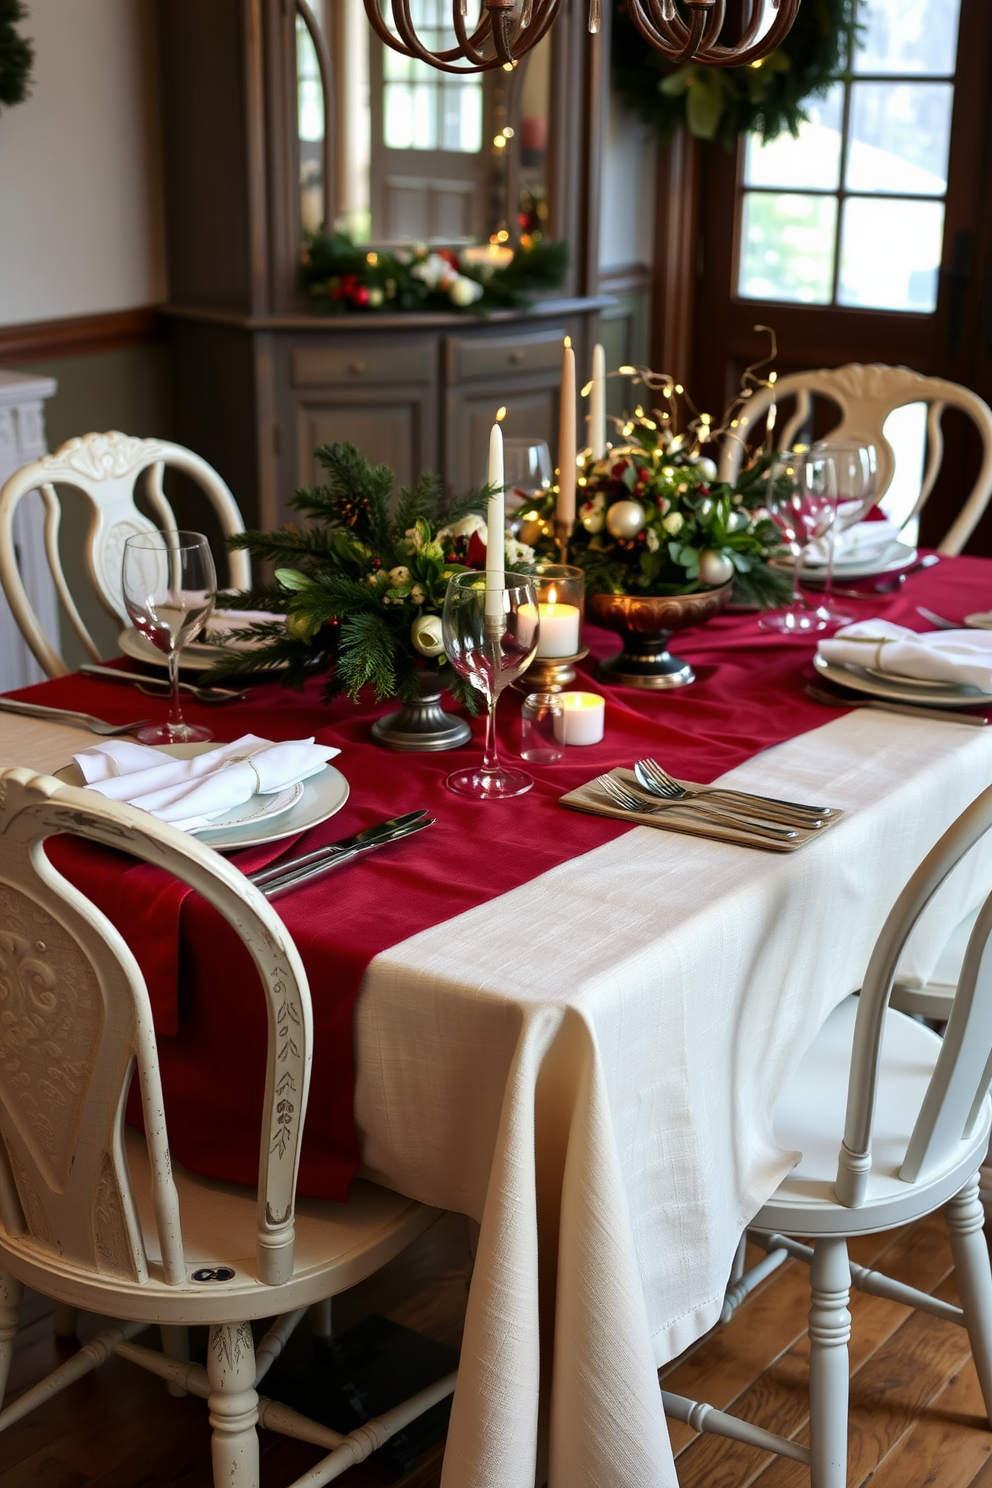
pixel 568 1028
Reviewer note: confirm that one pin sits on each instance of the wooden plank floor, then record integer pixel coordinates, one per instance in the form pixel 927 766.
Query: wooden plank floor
pixel 917 1418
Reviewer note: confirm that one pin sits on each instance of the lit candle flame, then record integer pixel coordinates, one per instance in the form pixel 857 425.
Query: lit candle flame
pixel 552 596
pixel 500 415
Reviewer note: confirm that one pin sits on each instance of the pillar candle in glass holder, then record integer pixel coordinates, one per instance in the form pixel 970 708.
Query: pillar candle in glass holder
pixel 495 529
pixel 597 404
pixel 582 719
pixel 559 633
pixel 565 509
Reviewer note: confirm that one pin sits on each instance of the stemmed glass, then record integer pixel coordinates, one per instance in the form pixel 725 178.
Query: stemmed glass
pixel 802 504
pixel 490 637
pixel 854 472
pixel 526 471
pixel 169 588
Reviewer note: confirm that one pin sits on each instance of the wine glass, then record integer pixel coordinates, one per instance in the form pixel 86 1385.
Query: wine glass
pixel 855 469
pixel 490 637
pixel 526 471
pixel 801 505
pixel 169 588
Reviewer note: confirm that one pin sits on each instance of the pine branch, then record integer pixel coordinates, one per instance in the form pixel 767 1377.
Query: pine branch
pixel 366 656
pixel 356 494
pixel 271 597
pixel 462 691
pixel 286 546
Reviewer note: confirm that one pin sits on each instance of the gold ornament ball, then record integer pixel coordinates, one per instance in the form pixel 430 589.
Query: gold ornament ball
pixel 714 568
pixel 625 519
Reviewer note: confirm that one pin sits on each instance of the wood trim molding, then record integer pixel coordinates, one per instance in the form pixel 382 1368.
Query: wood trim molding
pixel 676 246
pixel 628 278
pixel 82 335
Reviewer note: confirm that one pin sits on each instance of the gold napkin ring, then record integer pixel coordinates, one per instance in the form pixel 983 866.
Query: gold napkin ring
pixel 246 759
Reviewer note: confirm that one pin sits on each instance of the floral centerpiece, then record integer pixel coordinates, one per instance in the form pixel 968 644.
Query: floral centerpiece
pixel 358 590
pixel 341 276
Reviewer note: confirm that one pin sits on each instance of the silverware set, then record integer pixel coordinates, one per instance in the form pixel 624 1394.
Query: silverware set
pixel 69 715
pixel 776 820
pixel 889 586
pixel 910 710
pixel 159 687
pixel 292 872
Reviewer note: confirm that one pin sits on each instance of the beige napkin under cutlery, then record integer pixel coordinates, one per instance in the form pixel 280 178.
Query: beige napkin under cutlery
pixel 686 816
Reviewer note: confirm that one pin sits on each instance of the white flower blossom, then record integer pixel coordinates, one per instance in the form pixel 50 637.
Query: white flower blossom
pixel 417 594
pixel 653 540
pixel 465 527
pixel 518 552
pixel 398 576
pixel 464 291
pixel 673 523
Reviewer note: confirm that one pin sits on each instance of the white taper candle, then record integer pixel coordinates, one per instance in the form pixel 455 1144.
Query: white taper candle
pixel 597 403
pixel 565 510
pixel 496 529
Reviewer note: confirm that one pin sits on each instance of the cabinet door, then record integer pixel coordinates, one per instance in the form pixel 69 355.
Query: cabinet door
pixel 392 426
pixel 531 412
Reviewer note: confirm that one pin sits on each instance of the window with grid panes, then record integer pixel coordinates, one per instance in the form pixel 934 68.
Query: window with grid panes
pixel 852 212
pixel 424 109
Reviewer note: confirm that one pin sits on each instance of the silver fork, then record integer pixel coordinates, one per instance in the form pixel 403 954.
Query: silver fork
pixel 627 801
pixel 68 715
pixel 155 687
pixel 658 782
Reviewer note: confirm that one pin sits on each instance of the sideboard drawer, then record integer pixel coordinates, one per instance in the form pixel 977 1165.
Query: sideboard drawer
pixel 494 356
pixel 360 363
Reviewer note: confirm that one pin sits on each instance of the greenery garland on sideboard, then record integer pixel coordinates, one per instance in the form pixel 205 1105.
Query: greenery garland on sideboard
pixel 16 55
pixel 724 102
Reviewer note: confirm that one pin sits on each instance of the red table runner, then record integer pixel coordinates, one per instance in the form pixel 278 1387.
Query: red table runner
pixel 748 695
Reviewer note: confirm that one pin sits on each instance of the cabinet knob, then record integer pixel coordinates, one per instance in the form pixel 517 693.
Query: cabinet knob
pixel 516 357
pixel 358 368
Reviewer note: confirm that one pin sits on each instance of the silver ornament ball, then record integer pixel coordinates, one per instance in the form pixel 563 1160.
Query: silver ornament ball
pixel 625 519
pixel 714 568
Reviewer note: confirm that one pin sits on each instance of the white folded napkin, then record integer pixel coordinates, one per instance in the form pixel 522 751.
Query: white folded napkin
pixel 190 793
pixel 860 543
pixel 222 626
pixel 960 656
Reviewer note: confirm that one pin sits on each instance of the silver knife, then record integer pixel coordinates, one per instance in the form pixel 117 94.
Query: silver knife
pixel 294 870
pixel 114 674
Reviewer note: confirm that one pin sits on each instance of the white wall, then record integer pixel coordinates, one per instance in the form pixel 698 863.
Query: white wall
pixel 626 233
pixel 81 227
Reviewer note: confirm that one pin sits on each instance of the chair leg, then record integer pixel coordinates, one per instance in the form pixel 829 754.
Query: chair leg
pixel 175 1345
pixel 829 1331
pixel 233 1404
pixel 322 1319
pixel 66 1320
pixel 10 1311
pixel 965 1218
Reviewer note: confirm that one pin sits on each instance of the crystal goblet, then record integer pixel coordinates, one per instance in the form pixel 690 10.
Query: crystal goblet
pixel 169 586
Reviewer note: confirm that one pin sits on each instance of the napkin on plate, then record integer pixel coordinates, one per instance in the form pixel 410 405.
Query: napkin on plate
pixel 963 657
pixel 222 627
pixel 858 544
pixel 189 793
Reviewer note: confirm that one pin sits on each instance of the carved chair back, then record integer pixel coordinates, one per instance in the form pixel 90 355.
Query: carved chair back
pixel 106 469
pixel 866 395
pixel 961 1078
pixel 75 1023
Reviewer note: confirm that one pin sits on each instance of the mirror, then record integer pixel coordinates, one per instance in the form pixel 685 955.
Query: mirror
pixel 414 154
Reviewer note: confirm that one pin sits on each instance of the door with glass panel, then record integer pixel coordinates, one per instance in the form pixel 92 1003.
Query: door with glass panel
pixel 865 239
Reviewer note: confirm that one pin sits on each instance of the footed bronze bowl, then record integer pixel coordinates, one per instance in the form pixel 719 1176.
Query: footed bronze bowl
pixel 645 622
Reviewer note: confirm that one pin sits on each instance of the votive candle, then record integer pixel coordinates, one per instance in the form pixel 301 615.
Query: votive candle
pixel 582 720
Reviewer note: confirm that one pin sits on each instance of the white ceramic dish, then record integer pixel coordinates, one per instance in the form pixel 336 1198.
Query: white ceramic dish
pixel 901 689
pixel 320 796
pixel 196 657
pixel 890 560
pixel 981 621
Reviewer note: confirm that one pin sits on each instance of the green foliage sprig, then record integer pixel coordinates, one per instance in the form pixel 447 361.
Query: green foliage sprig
pixel 355 580
pixel 342 276
pixel 16 55
pixel 724 102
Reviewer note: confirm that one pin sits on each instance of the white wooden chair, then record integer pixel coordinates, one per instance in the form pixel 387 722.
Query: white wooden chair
pixel 866 395
pixel 909 1116
pixel 105 469
pixel 92 1213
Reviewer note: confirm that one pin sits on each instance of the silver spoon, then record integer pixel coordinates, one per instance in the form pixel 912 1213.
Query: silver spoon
pixel 155 688
pixel 889 586
pixel 627 801
pixel 68 715
pixel 658 782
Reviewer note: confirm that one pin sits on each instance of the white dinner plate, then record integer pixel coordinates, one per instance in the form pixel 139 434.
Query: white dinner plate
pixel 890 560
pixel 321 795
pixel 900 689
pixel 196 657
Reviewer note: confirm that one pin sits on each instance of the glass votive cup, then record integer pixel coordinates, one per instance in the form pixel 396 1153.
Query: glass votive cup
pixel 541 738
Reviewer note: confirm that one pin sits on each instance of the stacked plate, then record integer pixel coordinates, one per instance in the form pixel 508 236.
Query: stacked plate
pixel 896 689
pixel 198 656
pixel 875 563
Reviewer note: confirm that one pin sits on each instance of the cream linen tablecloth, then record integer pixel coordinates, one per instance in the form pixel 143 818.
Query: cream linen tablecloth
pixel 588 1066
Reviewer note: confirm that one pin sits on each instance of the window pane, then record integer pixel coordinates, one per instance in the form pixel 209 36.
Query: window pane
pixel 807 162
pixel 890 254
pixel 915 36
pixel 787 247
pixel 899 137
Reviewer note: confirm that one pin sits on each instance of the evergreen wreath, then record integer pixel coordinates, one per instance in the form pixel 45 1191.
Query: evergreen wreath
pixel 724 102
pixel 16 55
pixel 359 589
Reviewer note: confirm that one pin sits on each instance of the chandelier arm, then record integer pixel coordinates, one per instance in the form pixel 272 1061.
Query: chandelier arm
pixel 697 26
pixel 776 33
pixel 714 25
pixel 442 61
pixel 664 35
pixel 753 26
pixel 468 45
pixel 382 30
pixel 501 18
